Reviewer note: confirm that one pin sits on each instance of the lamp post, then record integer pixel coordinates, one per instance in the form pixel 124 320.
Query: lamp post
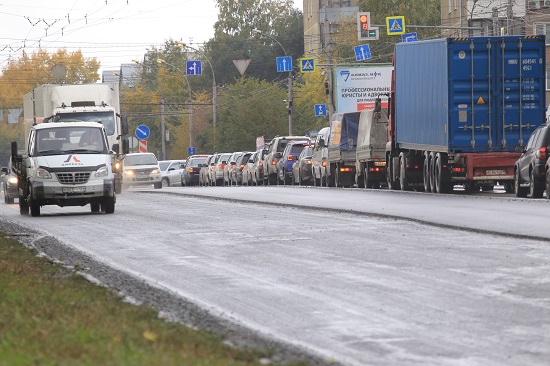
pixel 290 91
pixel 161 61
pixel 214 86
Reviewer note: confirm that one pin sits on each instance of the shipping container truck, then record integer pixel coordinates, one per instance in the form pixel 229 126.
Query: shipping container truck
pixel 461 110
pixel 99 102
pixel 342 145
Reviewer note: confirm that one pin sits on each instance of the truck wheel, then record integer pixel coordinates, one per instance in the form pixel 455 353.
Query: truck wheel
pixel 108 205
pixel 366 183
pixel 535 188
pixel 427 172
pixel 432 172
pixel 23 206
pixel 392 185
pixel 94 206
pixel 403 172
pixel 361 179
pixel 33 205
pixel 520 191
pixel 508 187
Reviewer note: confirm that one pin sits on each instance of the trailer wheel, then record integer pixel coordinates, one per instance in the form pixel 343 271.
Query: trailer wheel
pixel 403 172
pixel 361 179
pixel 366 182
pixel 508 187
pixel 427 172
pixel 520 191
pixel 392 185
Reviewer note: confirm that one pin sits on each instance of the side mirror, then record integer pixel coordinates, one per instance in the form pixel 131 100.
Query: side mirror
pixel 322 142
pixel 5 170
pixel 520 149
pixel 124 125
pixel 125 146
pixel 277 155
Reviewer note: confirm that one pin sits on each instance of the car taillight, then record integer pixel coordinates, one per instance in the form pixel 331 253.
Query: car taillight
pixel 541 154
pixel 324 164
pixel 212 168
pixel 190 170
pixel 290 158
pixel 242 166
pixel 345 170
pixel 307 161
pixel 261 164
pixel 375 169
pixel 273 162
pixel 221 166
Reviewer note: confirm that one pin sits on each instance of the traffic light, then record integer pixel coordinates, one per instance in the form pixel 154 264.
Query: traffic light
pixel 363 23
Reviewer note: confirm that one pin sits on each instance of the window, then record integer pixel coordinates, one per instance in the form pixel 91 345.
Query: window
pixel 542 28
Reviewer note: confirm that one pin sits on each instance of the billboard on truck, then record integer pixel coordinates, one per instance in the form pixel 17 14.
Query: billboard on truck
pixel 356 88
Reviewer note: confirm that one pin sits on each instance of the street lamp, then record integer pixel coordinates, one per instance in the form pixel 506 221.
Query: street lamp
pixel 163 62
pixel 290 92
pixel 214 86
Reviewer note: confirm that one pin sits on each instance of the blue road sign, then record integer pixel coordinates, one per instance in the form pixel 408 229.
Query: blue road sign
pixel 320 110
pixel 142 132
pixel 194 67
pixel 284 63
pixel 395 25
pixel 307 64
pixel 409 37
pixel 362 52
pixel 191 151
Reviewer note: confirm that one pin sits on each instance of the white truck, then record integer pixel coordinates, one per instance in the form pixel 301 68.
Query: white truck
pixel 98 102
pixel 65 164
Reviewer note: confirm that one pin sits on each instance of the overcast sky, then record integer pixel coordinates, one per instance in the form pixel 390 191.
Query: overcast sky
pixel 114 31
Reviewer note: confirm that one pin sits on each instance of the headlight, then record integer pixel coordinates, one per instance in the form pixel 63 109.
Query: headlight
pixel 13 180
pixel 43 173
pixel 117 165
pixel 102 172
pixel 155 171
pixel 128 172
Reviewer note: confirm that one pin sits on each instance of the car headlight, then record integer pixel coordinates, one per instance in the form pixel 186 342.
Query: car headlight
pixel 12 180
pixel 128 172
pixel 102 172
pixel 43 173
pixel 155 171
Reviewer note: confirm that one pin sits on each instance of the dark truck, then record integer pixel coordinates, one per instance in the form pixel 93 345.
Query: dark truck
pixel 462 109
pixel 342 145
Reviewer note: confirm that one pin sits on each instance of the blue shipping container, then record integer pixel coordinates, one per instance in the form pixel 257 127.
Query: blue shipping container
pixel 476 94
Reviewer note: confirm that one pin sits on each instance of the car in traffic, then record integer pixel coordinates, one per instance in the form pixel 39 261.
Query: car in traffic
pixel 141 169
pixel 216 174
pixel 230 168
pixel 530 170
pixel 288 157
pixel 190 175
pixel 9 184
pixel 171 171
pixel 301 169
pixel 257 169
pixel 204 172
pixel 237 176
pixel 319 157
pixel 274 152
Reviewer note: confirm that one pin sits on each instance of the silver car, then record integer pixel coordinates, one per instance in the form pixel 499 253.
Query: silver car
pixel 9 184
pixel 171 172
pixel 141 169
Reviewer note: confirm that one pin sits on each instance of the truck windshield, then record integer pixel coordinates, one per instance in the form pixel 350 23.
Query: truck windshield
pixel 70 140
pixel 107 119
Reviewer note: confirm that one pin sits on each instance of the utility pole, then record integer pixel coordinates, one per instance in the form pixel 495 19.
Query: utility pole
pixel 162 129
pixel 326 47
pixel 290 102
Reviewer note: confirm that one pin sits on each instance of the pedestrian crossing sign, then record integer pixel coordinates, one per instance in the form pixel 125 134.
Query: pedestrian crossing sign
pixel 395 25
pixel 307 64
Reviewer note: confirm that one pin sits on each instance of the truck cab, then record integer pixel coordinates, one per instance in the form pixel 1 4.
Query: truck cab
pixel 65 164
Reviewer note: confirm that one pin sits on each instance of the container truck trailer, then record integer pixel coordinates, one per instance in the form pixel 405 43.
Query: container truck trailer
pixel 461 110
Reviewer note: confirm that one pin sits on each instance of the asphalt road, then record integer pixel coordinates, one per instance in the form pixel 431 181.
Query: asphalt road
pixel 343 278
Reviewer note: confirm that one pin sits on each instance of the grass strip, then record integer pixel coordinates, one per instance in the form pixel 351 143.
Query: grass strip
pixel 51 316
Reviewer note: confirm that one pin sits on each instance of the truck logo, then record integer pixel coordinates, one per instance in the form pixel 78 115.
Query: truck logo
pixel 75 161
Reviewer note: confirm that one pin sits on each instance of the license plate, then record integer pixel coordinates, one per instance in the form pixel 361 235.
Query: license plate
pixel 74 189
pixel 495 172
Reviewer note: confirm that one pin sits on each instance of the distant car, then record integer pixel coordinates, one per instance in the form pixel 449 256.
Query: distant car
pixel 319 157
pixel 140 169
pixel 248 169
pixel 171 172
pixel 190 175
pixel 257 170
pixel 301 170
pixel 239 167
pixel 530 171
pixel 230 168
pixel 9 184
pixel 274 152
pixel 288 157
pixel 204 172
pixel 216 174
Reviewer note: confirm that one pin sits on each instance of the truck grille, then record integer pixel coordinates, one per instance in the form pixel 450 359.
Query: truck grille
pixel 73 178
